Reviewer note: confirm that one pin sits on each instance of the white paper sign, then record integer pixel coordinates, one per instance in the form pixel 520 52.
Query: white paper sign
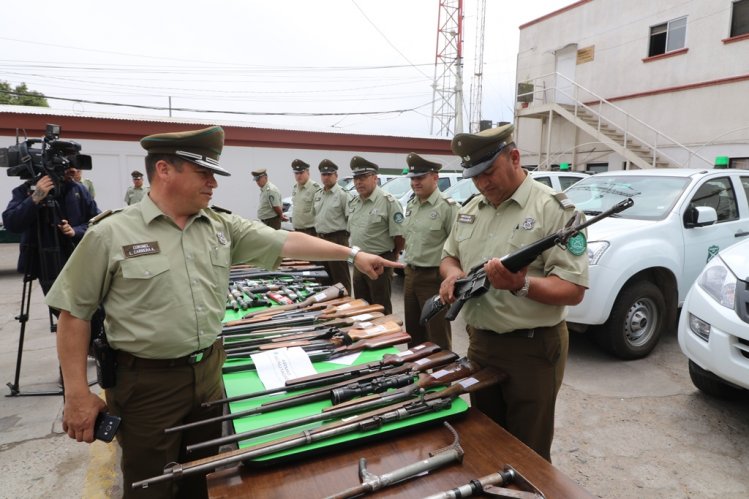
pixel 274 367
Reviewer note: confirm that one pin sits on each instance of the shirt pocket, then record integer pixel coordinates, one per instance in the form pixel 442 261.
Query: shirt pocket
pixel 144 267
pixel 464 232
pixel 221 256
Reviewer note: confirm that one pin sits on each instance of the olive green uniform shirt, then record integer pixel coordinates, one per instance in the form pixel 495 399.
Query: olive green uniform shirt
pixel 482 232
pixel 426 227
pixel 270 196
pixel 374 222
pixel 90 186
pixel 331 210
pixel 134 195
pixel 163 289
pixel 303 216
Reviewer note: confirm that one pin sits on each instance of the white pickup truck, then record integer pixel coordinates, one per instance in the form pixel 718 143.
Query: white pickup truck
pixel 644 260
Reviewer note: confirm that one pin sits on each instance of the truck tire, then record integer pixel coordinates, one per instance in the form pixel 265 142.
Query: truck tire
pixel 637 320
pixel 712 385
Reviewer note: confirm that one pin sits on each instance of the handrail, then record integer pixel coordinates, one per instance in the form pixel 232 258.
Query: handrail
pixel 602 103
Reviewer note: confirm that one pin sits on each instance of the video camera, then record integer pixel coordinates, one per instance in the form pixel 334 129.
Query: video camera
pixel 34 158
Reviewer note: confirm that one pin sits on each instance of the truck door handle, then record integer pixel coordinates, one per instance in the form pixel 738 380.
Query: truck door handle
pixel 741 233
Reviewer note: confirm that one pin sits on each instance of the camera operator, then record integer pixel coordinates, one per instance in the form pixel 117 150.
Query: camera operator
pixel 51 217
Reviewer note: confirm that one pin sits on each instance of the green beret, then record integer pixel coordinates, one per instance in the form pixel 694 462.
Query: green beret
pixel 299 166
pixel 327 166
pixel 256 174
pixel 479 150
pixel 418 166
pixel 360 166
pixel 136 174
pixel 202 147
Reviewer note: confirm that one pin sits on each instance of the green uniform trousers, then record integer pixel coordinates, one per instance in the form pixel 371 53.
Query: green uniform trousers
pixel 421 284
pixel 375 291
pixel 274 222
pixel 338 271
pixel 524 403
pixel 151 395
pixel 307 230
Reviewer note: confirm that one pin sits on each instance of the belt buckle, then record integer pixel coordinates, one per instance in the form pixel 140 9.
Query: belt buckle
pixel 195 358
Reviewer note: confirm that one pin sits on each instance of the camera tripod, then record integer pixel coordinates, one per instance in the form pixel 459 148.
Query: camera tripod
pixel 50 261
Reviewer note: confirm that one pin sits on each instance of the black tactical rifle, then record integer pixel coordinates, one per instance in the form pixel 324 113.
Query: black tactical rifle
pixel 476 282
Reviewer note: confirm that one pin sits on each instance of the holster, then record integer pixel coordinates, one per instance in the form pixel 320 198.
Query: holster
pixel 106 362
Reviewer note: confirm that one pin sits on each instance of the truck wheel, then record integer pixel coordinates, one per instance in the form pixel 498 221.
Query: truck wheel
pixel 712 385
pixel 636 322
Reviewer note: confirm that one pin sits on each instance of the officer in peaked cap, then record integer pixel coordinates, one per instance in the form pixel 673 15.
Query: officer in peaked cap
pixel 160 268
pixel 270 206
pixel 479 150
pixel 518 325
pixel 428 221
pixel 376 225
pixel 360 166
pixel 202 147
pixel 136 191
pixel 331 219
pixel 303 198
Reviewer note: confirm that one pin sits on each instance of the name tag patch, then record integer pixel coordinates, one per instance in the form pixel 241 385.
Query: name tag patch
pixel 466 219
pixel 140 249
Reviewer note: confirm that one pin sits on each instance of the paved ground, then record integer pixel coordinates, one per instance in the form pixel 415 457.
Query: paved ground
pixel 624 429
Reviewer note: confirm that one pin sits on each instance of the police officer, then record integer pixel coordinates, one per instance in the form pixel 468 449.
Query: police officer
pixel 376 225
pixel 331 219
pixel 269 209
pixel 429 219
pixel 303 198
pixel 135 192
pixel 161 269
pixel 518 325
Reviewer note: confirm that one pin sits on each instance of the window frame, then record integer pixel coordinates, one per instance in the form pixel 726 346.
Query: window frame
pixel 744 5
pixel 669 32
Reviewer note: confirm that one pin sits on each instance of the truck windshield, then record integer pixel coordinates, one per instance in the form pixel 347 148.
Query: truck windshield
pixel 654 197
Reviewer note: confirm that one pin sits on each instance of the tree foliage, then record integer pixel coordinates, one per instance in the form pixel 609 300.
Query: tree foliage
pixel 21 96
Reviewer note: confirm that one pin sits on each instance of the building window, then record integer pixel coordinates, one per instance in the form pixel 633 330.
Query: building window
pixel 668 37
pixel 596 167
pixel 740 18
pixel 739 163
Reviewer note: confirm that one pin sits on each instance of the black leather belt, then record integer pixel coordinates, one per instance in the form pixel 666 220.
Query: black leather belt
pixel 130 360
pixel 518 333
pixel 415 267
pixel 331 234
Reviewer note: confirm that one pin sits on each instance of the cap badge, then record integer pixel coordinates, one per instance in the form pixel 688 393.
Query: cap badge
pixel 528 223
pixel 221 238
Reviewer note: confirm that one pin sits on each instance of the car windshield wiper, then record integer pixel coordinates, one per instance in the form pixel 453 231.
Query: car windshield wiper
pixel 592 212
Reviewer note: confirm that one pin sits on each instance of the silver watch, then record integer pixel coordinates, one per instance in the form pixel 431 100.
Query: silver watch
pixel 354 251
pixel 524 290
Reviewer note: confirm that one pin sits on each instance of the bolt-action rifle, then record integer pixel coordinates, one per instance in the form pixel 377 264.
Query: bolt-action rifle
pixel 346 375
pixel 405 389
pixel 476 282
pixel 429 403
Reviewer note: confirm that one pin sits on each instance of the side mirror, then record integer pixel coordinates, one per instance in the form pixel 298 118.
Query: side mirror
pixel 700 216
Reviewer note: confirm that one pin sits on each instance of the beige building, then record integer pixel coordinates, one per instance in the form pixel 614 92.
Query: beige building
pixel 606 84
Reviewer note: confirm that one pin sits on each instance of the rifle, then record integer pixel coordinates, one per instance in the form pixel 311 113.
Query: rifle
pixel 488 484
pixel 328 353
pixel 405 389
pixel 327 296
pixel 430 402
pixel 389 361
pixel 476 282
pixel 358 315
pixel 373 483
pixel 302 318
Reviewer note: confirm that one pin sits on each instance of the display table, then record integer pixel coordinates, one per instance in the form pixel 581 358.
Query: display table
pixel 488 448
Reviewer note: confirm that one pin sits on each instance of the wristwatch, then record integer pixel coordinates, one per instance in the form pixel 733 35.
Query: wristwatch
pixel 354 251
pixel 524 290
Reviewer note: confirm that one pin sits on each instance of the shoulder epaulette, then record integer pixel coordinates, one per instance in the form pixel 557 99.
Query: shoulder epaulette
pixel 563 200
pixel 101 216
pixel 450 201
pixel 220 209
pixel 389 197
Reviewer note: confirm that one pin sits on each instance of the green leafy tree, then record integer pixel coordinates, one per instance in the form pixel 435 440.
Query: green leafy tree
pixel 21 96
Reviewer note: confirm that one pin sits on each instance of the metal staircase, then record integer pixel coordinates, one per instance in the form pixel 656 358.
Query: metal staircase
pixel 641 145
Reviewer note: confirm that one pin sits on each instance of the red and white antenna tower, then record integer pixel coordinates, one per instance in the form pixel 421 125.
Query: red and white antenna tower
pixel 478 70
pixel 447 96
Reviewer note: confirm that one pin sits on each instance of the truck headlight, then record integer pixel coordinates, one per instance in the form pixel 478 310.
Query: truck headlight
pixel 719 282
pixel 596 249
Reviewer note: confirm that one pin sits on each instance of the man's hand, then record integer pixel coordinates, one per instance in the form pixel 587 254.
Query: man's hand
pixel 284 218
pixel 451 271
pixel 41 189
pixel 80 414
pixel 372 265
pixel 501 278
pixel 66 229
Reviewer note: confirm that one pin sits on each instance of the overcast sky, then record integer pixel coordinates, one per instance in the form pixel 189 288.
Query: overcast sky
pixel 285 57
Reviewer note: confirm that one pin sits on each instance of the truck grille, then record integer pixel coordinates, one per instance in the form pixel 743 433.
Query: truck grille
pixel 742 300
